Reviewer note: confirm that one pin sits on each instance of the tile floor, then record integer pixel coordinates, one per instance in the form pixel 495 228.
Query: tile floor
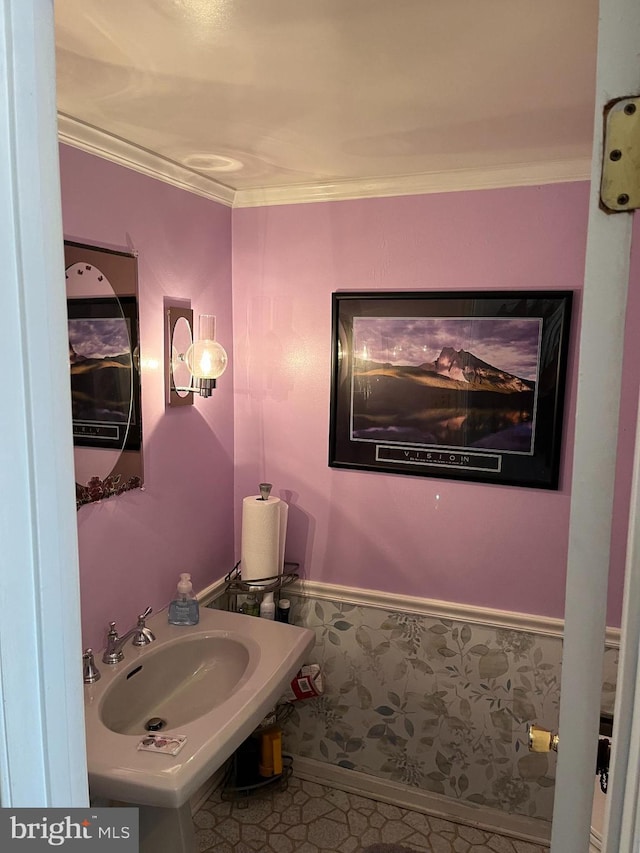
pixel 310 818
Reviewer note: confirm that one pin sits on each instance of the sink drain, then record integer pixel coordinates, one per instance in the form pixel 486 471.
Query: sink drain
pixel 155 724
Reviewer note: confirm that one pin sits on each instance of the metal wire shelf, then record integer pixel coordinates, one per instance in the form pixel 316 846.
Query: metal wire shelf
pixel 235 585
pixel 240 793
pixel 242 779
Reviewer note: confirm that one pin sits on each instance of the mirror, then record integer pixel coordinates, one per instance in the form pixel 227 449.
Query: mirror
pixel 178 339
pixel 180 344
pixel 102 307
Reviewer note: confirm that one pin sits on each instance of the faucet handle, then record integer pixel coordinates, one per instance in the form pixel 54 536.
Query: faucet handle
pixel 90 672
pixel 112 654
pixel 144 615
pixel 143 635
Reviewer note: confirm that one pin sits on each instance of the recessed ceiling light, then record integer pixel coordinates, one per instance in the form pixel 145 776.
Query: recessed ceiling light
pixel 212 163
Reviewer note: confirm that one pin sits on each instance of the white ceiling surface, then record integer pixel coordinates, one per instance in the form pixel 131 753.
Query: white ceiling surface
pixel 264 101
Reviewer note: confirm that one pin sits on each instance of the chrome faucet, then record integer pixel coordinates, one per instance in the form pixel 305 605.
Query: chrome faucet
pixel 142 636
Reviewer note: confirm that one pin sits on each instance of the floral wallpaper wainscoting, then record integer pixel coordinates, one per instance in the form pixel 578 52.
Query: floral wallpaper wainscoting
pixel 433 703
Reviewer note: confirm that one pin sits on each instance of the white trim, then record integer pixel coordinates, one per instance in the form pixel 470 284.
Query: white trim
pixel 42 745
pixel 405 797
pixel 455 180
pixel 211 592
pixel 593 478
pixel 622 817
pixel 88 138
pixel 527 622
pixel 109 147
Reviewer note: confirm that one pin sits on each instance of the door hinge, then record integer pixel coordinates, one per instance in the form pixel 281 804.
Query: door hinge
pixel 620 185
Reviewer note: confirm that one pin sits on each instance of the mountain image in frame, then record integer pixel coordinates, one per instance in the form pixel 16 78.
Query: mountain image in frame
pixel 458 399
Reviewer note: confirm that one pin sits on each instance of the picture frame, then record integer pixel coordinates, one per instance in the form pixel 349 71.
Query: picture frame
pixel 462 385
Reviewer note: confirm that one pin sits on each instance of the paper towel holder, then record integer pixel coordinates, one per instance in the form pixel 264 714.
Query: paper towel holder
pixel 191 366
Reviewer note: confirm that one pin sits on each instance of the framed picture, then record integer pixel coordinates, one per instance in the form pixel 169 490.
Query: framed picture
pixel 458 385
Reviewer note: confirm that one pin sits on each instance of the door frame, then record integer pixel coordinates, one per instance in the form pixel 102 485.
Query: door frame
pixel 42 752
pixel 42 745
pixel 606 282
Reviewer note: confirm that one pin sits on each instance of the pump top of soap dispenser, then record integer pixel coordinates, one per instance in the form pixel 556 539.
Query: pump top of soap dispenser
pixel 185 587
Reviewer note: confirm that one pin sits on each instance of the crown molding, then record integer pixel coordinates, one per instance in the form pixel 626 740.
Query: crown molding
pixel 94 141
pixel 455 180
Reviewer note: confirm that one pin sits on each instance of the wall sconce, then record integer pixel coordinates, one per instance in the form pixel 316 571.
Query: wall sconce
pixel 191 366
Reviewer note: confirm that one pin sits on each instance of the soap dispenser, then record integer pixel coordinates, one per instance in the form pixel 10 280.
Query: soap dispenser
pixel 184 609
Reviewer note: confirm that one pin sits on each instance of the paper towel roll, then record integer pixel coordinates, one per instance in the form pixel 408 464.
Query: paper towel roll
pixel 264 527
pixel 284 515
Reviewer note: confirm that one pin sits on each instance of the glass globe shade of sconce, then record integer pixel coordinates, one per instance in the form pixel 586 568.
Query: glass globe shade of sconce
pixel 206 358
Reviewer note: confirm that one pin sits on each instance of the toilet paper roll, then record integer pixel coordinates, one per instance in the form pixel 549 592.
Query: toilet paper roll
pixel 264 525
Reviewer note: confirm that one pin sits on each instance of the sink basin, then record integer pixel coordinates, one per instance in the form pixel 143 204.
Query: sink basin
pixel 212 683
pixel 176 683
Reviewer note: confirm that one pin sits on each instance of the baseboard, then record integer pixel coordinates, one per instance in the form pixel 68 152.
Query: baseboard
pixel 480 817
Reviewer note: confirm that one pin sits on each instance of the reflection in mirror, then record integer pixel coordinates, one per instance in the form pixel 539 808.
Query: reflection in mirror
pixel 102 306
pixel 178 339
pixel 180 343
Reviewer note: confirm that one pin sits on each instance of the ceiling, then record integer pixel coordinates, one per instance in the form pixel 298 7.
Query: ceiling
pixel 269 101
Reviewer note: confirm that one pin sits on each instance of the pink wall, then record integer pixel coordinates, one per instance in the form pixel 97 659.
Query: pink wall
pixel 133 547
pixel 485 545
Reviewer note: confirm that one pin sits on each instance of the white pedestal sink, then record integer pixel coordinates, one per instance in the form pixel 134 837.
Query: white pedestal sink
pixel 213 683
